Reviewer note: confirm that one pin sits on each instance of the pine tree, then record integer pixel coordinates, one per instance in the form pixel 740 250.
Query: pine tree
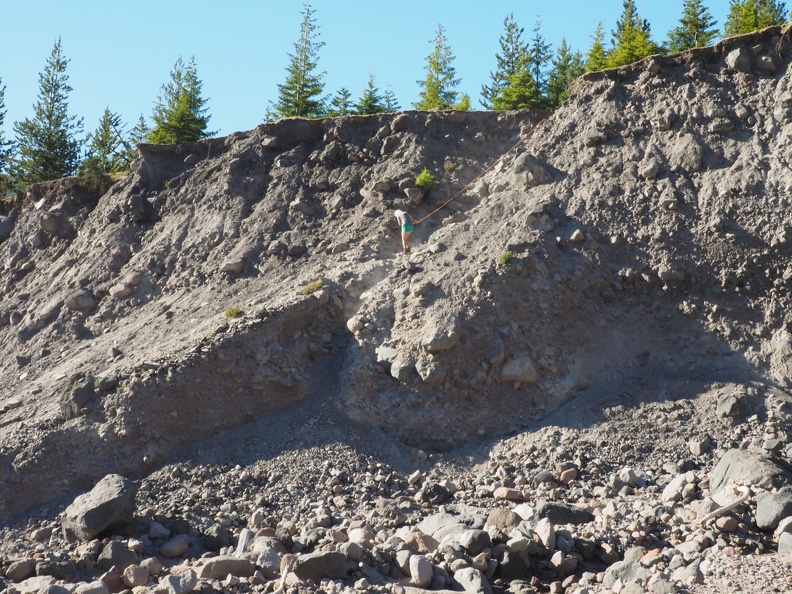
pixel 539 55
pixel 631 40
pixel 597 56
pixel 391 103
pixel 514 51
pixel 47 144
pixel 180 114
pixel 6 146
pixel 437 89
pixel 519 92
pixel 696 28
pixel 566 67
pixel 340 104
pixel 749 15
pixel 107 145
pixel 299 95
pixel 137 135
pixel 371 101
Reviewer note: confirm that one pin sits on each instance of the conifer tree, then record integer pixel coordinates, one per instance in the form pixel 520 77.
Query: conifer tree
pixel 597 56
pixel 108 148
pixel 749 15
pixel 47 144
pixel 391 103
pixel 438 88
pixel 137 136
pixel 340 104
pixel 371 101
pixel 566 67
pixel 539 56
pixel 139 133
pixel 299 95
pixel 180 114
pixel 632 38
pixel 519 92
pixel 6 146
pixel 512 57
pixel 696 28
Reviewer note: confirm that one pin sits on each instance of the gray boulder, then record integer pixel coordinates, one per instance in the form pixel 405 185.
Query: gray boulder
pixel 218 568
pixel 182 583
pixel 626 571
pixel 81 301
pixel 737 466
pixel 473 581
pixel 559 513
pixel 785 544
pixel 111 501
pixel 739 59
pixel 771 508
pixel 520 370
pixel 76 397
pixel 529 172
pixel 320 564
pixel 116 554
pixel 474 541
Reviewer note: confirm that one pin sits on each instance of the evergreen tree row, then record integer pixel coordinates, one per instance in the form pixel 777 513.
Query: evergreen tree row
pixel 528 75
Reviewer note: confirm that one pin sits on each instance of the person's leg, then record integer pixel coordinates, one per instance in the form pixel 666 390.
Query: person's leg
pixel 405 240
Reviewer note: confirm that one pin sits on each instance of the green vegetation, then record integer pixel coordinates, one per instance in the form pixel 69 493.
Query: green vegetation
pixel 597 54
pixel 234 312
pixel 312 287
pixel 749 15
pixel 180 114
pixel 438 89
pixel 505 258
pixel 340 104
pixel 449 166
pixel 47 146
pixel 370 102
pixel 109 152
pixel 425 180
pixel 5 145
pixel 566 67
pixel 631 39
pixel 300 94
pixel 528 74
pixel 696 28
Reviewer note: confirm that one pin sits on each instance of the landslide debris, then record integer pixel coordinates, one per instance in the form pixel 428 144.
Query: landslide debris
pixel 234 327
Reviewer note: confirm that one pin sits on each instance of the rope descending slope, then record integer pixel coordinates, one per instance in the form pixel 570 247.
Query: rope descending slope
pixel 482 174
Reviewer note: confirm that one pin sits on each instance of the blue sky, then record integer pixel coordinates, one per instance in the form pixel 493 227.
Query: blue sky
pixel 122 51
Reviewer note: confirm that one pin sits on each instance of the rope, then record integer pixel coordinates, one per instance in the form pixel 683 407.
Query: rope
pixel 482 174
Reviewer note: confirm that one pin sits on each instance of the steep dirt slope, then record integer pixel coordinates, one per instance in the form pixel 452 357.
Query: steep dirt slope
pixel 646 221
pixel 114 340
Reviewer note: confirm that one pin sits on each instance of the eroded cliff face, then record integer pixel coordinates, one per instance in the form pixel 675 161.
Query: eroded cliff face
pixel 646 223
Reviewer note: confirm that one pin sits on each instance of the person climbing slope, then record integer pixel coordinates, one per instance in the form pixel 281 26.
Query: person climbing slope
pixel 406 222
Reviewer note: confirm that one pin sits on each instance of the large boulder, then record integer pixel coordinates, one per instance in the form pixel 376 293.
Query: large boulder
pixel 321 564
pixel 529 172
pixel 741 466
pixel 520 370
pixel 111 501
pixel 771 508
pixel 219 567
pixel 559 513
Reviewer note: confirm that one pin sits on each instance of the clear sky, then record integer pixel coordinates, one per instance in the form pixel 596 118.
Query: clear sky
pixel 122 51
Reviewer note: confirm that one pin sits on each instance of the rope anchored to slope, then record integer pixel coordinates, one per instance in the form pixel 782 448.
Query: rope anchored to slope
pixel 482 174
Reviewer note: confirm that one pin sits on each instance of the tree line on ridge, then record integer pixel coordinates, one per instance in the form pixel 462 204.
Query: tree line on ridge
pixel 527 75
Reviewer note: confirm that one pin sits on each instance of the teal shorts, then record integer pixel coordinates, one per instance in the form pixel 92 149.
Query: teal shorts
pixel 407 228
